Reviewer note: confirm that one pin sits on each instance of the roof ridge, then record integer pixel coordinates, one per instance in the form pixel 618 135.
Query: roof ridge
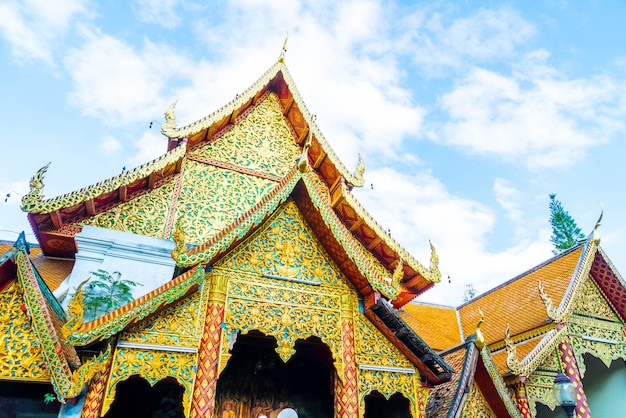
pixel 524 274
pixel 78 333
pixel 33 201
pixel 170 130
pixel 432 273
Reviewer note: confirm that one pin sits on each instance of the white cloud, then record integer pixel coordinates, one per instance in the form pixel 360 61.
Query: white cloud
pixel 532 116
pixel 509 198
pixel 161 12
pixel 149 147
pixel 436 45
pixel 419 208
pixel 110 145
pixel 121 84
pixel 34 27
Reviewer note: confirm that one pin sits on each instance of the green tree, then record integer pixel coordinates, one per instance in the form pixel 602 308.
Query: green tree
pixel 469 293
pixel 565 232
pixel 105 293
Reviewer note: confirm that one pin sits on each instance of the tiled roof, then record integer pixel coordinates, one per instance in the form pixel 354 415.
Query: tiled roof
pixel 52 271
pixel 441 396
pixel 437 325
pixel 501 306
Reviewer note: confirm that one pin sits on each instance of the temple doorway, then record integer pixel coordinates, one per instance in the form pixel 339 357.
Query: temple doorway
pixel 377 406
pixel 134 397
pixel 256 381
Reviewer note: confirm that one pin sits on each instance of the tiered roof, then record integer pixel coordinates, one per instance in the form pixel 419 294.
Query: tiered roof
pixel 374 262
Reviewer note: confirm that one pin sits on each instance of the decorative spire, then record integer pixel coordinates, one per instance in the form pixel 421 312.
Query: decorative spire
pixel 551 311
pixel 360 170
pixel 303 160
pixel 170 118
pixel 36 188
pixel 511 352
pixel 480 339
pixel 281 58
pixel 596 235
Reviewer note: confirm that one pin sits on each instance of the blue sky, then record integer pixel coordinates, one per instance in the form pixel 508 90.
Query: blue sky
pixel 467 113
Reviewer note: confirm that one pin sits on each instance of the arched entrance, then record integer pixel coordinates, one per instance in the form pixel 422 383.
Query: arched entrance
pixel 134 397
pixel 256 379
pixel 377 406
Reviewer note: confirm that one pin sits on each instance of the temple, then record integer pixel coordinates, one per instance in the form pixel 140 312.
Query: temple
pixel 236 276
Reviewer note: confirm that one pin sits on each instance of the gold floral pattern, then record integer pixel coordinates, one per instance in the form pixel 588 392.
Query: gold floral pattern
pixel 145 215
pixel 212 198
pixel 261 141
pixel 20 355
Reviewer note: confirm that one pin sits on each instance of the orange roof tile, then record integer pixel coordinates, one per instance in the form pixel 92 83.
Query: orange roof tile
pixel 436 325
pixel 441 396
pixel 517 302
pixel 52 271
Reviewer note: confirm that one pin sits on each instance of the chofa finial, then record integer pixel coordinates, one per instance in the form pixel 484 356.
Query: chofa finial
pixel 480 339
pixel 281 58
pixel 596 235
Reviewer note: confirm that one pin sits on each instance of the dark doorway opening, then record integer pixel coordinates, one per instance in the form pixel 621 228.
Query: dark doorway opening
pixel 376 406
pixel 256 380
pixel 26 398
pixel 135 398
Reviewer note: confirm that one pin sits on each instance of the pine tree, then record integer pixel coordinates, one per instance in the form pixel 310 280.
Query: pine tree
pixel 565 232
pixel 469 293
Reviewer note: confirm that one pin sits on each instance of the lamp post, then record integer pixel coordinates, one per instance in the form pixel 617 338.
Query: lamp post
pixel 565 393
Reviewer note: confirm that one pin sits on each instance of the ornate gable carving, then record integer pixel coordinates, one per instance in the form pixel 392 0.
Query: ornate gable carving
pixel 20 354
pixel 590 302
pixel 261 140
pixel 145 215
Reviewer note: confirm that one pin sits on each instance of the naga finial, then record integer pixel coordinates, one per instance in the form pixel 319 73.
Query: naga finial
pixel 480 339
pixel 281 58
pixel 170 117
pixel 303 160
pixel 36 188
pixel 398 274
pixel 76 311
pixel 178 235
pixel 434 259
pixel 511 352
pixel 358 173
pixel 551 311
pixel 596 235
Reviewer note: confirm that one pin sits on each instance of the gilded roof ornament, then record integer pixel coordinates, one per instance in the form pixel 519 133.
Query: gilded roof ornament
pixel 303 160
pixel 551 311
pixel 480 339
pixel 178 235
pixel 511 352
pixel 75 311
pixel 86 372
pixel 170 118
pixel 36 188
pixel 358 173
pixel 434 262
pixel 596 235
pixel 281 58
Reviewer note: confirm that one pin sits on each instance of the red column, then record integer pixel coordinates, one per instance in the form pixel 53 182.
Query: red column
pixel 570 369
pixel 203 398
pixel 347 391
pixel 522 400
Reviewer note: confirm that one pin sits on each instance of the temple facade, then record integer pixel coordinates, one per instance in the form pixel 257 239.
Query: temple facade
pixel 236 276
